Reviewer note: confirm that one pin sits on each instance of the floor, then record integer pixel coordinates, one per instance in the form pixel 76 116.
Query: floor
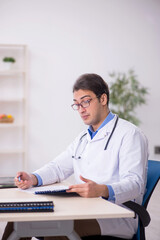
pixel 153 230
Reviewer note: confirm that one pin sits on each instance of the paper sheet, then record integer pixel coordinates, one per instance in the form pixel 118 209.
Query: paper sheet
pixel 44 188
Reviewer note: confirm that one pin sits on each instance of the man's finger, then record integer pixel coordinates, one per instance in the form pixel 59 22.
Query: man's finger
pixel 84 179
pixel 76 189
pixel 76 186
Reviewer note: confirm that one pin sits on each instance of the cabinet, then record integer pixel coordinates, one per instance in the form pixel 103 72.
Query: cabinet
pixel 13 102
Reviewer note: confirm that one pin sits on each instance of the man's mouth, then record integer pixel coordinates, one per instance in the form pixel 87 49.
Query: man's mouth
pixel 84 117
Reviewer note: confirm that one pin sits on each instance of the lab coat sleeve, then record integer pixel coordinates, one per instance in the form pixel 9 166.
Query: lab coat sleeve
pixel 61 167
pixel 133 156
pixel 58 169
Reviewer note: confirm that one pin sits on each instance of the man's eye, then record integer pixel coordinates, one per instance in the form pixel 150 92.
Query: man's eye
pixel 86 101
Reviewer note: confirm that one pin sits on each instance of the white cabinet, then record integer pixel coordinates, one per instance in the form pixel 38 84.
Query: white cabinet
pixel 13 102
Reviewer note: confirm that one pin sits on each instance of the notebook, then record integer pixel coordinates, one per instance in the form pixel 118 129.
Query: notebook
pixel 49 190
pixel 53 190
pixel 35 206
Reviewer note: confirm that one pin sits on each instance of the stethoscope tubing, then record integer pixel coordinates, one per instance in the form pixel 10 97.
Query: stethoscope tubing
pixel 115 124
pixel 107 143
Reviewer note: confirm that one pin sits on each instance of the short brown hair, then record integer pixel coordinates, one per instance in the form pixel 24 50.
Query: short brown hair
pixel 92 82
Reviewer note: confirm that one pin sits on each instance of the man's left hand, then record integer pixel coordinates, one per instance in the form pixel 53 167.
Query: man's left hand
pixel 89 189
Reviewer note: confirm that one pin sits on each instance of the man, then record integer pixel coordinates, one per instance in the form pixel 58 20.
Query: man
pixel 108 160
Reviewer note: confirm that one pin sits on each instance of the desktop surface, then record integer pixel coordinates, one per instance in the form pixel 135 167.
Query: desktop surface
pixel 66 207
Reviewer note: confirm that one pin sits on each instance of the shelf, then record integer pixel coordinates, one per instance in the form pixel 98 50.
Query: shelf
pixel 12 100
pixel 11 151
pixel 12 45
pixel 12 72
pixel 11 125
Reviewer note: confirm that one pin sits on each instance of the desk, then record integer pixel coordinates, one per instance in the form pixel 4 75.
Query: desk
pixel 59 222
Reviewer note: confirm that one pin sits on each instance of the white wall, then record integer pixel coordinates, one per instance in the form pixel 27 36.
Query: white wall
pixel 67 38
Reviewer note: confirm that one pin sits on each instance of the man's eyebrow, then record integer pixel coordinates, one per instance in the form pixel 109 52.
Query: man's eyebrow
pixel 82 97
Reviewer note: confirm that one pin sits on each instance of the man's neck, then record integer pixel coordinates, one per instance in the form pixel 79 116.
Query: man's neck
pixel 91 131
pixel 95 127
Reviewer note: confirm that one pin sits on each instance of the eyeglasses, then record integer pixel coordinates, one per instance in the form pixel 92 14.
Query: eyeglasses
pixel 83 104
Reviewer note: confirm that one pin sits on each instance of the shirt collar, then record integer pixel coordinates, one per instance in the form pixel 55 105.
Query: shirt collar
pixel 109 117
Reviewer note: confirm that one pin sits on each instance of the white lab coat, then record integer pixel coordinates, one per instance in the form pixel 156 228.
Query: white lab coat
pixel 123 165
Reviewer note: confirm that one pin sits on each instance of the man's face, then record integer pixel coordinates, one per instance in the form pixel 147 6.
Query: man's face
pixel 96 111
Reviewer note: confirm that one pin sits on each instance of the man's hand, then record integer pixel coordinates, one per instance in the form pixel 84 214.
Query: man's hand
pixel 89 189
pixel 26 180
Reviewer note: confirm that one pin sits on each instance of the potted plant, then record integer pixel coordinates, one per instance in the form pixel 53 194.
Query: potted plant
pixel 8 62
pixel 126 94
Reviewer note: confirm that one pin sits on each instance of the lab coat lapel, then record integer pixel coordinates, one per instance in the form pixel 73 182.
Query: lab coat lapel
pixel 102 133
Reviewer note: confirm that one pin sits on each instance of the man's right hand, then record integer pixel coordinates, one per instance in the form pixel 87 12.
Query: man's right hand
pixel 26 180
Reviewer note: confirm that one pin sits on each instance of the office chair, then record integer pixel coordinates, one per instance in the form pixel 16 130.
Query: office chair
pixel 153 177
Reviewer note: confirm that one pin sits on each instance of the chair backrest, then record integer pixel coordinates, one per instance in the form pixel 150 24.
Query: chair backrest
pixel 153 176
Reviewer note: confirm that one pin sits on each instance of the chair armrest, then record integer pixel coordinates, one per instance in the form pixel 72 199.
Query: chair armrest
pixel 141 211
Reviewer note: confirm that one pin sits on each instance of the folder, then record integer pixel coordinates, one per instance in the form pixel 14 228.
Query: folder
pixel 7 182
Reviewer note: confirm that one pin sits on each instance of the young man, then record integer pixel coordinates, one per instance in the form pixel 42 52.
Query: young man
pixel 108 160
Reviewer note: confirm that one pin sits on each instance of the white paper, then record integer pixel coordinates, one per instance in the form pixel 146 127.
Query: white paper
pixel 44 188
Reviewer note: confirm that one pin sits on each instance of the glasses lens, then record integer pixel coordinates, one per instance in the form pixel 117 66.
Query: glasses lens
pixel 85 104
pixel 74 106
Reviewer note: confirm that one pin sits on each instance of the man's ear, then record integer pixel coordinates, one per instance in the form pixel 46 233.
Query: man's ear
pixel 103 99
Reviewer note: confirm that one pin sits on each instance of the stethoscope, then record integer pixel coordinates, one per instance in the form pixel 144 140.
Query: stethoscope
pixel 105 148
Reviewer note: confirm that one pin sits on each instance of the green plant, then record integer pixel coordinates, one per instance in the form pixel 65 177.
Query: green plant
pixel 126 94
pixel 9 59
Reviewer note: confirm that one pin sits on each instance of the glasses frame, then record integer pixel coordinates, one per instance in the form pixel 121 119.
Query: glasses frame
pixel 78 105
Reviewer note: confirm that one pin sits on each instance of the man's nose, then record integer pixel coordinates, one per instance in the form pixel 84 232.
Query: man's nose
pixel 81 109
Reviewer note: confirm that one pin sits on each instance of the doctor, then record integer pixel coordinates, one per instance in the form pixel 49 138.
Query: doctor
pixel 108 160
